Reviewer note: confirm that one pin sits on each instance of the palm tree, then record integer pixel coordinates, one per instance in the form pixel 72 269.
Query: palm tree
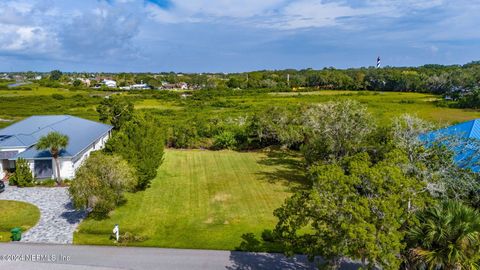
pixel 55 142
pixel 446 237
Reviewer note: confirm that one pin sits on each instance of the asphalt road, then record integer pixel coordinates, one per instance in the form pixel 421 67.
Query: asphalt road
pixel 23 256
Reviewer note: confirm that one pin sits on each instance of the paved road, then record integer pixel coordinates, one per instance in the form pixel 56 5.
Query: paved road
pixel 108 258
pixel 58 218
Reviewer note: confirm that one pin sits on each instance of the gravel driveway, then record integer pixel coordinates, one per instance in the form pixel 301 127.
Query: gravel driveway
pixel 58 219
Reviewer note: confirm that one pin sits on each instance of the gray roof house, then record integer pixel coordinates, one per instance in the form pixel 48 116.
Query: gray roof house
pixel 18 141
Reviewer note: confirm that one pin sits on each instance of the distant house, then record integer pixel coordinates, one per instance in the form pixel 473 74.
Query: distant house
pixel 139 86
pixel 110 83
pixel 18 141
pixel 172 86
pixel 87 82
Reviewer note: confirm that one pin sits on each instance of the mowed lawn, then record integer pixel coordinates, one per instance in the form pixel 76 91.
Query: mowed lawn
pixel 203 199
pixel 16 214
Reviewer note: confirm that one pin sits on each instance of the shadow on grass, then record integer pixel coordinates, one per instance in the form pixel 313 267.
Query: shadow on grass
pixel 290 169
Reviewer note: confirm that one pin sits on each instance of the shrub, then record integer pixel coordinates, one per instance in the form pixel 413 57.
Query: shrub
pixel 129 237
pixel 268 236
pixel 100 183
pixel 47 183
pixel 225 140
pixel 58 96
pixel 23 175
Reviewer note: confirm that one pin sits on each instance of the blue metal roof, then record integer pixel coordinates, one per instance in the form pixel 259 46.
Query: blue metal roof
pixel 81 133
pixel 468 130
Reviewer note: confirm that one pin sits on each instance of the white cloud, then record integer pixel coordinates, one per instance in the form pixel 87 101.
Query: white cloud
pixel 310 13
pixel 283 14
pixel 20 33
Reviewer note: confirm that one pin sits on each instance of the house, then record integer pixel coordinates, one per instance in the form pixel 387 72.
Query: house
pixel 174 86
pixel 140 86
pixel 110 83
pixel 463 139
pixel 18 141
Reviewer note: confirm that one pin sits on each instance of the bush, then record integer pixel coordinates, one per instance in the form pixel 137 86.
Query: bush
pixel 58 96
pixel 129 237
pixel 100 182
pixel 23 175
pixel 47 183
pixel 225 140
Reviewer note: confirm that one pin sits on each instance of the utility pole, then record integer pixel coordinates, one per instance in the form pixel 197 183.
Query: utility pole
pixel 288 80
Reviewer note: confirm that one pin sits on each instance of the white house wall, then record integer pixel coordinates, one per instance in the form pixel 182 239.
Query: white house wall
pixel 19 150
pixel 68 167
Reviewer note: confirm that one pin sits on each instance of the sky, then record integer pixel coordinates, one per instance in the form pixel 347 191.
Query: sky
pixel 234 35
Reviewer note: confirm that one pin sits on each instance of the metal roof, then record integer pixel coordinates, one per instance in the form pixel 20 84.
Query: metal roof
pixel 81 133
pixel 468 130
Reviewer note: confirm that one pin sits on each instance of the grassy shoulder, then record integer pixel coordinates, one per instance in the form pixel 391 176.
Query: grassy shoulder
pixel 16 214
pixel 202 199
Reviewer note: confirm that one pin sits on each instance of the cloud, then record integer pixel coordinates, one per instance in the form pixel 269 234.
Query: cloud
pixel 70 33
pixel 286 15
pixel 104 31
pixel 232 35
pixel 21 34
pixel 310 13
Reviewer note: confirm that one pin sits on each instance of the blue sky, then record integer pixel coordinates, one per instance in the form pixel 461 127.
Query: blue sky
pixel 234 35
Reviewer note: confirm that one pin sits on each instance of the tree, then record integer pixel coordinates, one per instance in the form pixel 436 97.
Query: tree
pixel 54 142
pixel 446 236
pixel 141 142
pixel 23 175
pixel 432 159
pixel 76 83
pixel 335 129
pixel 406 131
pixel 100 183
pixel 55 75
pixel 116 110
pixel 356 209
pixel 274 126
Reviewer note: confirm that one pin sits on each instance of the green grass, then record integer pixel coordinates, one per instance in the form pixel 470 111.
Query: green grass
pixel 383 105
pixel 38 91
pixel 16 214
pixel 19 104
pixel 203 200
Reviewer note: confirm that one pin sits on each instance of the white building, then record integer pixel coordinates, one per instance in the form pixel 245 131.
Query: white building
pixel 110 83
pixel 140 86
pixel 18 141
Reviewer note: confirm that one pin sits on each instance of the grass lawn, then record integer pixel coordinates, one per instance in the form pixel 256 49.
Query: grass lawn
pixel 203 199
pixel 16 214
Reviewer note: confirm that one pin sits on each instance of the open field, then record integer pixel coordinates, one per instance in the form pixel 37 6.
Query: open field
pixel 203 199
pixel 16 214
pixel 171 108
